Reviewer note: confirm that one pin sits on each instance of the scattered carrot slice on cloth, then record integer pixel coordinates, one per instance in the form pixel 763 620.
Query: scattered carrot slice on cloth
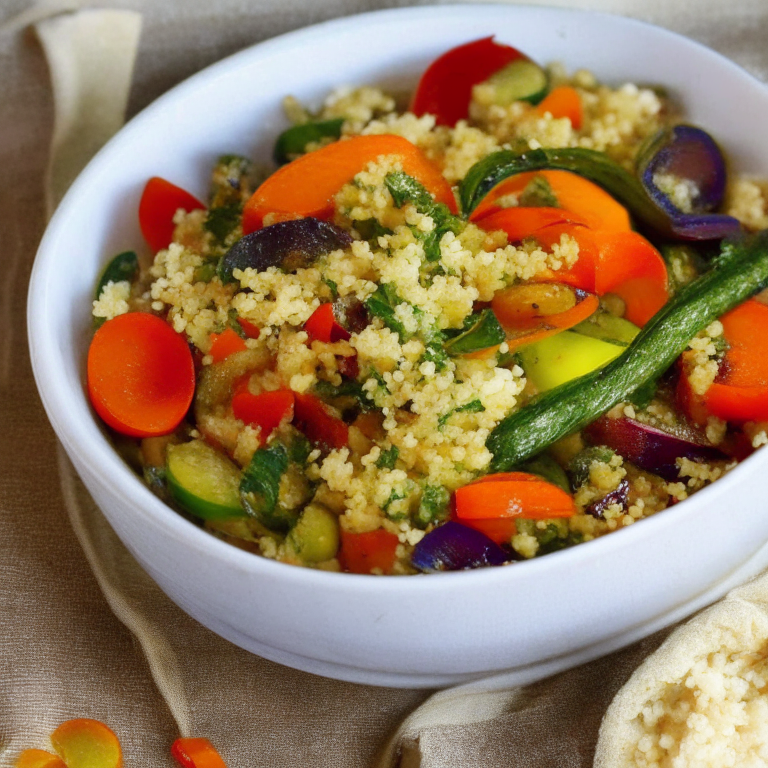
pixel 563 101
pixel 323 326
pixel 574 194
pixel 225 344
pixel 313 417
pixel 84 743
pixel 510 495
pixel 38 758
pixel 196 753
pixel 141 375
pixel 266 410
pixel 445 88
pixel 364 552
pixel 158 205
pixel 529 312
pixel 741 392
pixel 306 187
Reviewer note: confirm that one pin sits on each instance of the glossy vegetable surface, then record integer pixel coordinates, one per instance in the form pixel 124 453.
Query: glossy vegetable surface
pixel 740 271
pixel 84 743
pixel 158 205
pixel 196 753
pixel 456 547
pixel 141 377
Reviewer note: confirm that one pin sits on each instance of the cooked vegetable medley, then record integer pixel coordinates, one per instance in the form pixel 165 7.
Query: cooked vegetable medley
pixel 515 316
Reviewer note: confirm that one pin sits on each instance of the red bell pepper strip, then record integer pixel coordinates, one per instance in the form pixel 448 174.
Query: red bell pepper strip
pixel 322 325
pixel 141 375
pixel 158 205
pixel 225 344
pixel 249 329
pixel 364 552
pixel 307 186
pixel 266 410
pixel 313 417
pixel 445 88
pixel 196 753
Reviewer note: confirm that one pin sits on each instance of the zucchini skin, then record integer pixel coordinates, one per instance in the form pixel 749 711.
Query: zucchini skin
pixel 740 271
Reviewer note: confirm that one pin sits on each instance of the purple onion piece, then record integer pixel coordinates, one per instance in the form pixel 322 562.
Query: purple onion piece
pixel 647 447
pixel 455 547
pixel 289 245
pixel 689 153
pixel 619 496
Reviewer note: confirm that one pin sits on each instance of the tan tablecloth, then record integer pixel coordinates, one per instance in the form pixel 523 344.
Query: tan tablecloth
pixel 64 653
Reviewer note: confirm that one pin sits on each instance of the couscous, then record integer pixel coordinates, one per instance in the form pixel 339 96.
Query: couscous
pixel 434 338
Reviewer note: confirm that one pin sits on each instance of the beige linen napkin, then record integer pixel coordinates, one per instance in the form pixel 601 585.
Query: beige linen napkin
pixel 63 655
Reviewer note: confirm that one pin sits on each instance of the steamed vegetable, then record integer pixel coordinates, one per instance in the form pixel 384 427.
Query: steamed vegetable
pixel 368 552
pixel 141 376
pixel 158 205
pixel 563 101
pixel 306 187
pixel 740 271
pixel 293 141
pixel 455 547
pixel 445 88
pixel 598 167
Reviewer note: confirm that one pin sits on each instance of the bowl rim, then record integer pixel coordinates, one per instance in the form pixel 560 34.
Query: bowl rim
pixel 77 437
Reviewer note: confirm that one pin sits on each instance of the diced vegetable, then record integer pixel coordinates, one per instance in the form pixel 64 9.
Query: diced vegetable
pixel 608 327
pixel 266 410
pixel 366 552
pixel 322 325
pixel 158 205
pixel 315 537
pixel 84 743
pixel 740 271
pixel 196 753
pixel 306 187
pixel 546 467
pixel 316 420
pixel 647 447
pixel 456 547
pixel 225 344
pixel 141 376
pixel 445 88
pixel 512 494
pixel 520 222
pixel 598 167
pixel 563 101
pixel 293 141
pixel 575 195
pixel 520 80
pixel 204 481
pixel 289 245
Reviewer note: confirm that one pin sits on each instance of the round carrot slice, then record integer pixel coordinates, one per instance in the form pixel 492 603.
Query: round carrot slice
pixel 306 187
pixel 141 376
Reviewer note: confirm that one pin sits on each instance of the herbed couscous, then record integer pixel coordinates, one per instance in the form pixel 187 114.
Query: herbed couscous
pixel 433 338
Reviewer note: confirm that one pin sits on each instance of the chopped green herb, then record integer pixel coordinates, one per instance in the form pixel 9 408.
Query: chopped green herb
pixel 433 507
pixel 293 141
pixel 381 303
pixel 260 486
pixel 221 222
pixel 388 458
pixel 473 406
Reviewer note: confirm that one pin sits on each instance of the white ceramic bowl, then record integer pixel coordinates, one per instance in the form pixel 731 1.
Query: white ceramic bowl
pixel 528 619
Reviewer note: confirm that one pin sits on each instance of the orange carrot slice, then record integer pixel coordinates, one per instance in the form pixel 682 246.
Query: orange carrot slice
pixel 521 222
pixel 84 743
pixel 512 495
pixel 364 552
pixel 141 376
pixel 563 101
pixel 528 314
pixel 574 193
pixel 500 529
pixel 741 394
pixel 225 344
pixel 306 187
pixel 38 758
pixel 196 753
pixel 158 205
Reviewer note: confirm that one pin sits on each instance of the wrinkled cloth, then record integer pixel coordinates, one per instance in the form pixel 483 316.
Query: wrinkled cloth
pixel 85 632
